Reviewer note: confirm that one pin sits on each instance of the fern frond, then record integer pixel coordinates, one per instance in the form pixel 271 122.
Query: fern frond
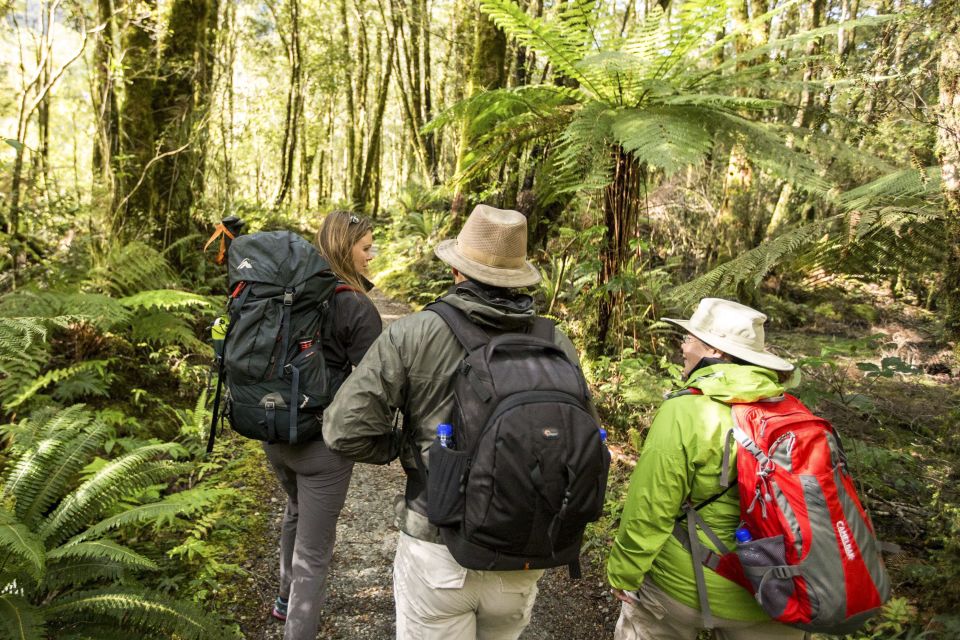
pixel 165 299
pixel 25 477
pixel 22 544
pixel 103 551
pixel 794 41
pixel 54 477
pixel 160 328
pixel 20 620
pixel 753 265
pixel 125 475
pixel 65 308
pixel 562 45
pixel 73 574
pixel 98 367
pixel 663 137
pixel 129 269
pixel 17 334
pixel 538 99
pixel 140 610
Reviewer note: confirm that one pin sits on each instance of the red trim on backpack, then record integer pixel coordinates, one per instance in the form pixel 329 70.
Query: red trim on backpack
pixel 238 288
pixel 345 287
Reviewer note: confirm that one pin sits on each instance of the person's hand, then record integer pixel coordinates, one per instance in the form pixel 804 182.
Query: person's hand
pixel 623 596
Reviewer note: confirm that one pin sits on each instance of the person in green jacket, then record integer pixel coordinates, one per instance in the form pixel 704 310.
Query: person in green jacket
pixel 651 572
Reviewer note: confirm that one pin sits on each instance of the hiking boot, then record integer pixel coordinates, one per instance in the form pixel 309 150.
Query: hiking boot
pixel 280 608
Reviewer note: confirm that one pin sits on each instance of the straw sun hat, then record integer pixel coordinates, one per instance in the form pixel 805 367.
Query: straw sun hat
pixel 733 328
pixel 491 248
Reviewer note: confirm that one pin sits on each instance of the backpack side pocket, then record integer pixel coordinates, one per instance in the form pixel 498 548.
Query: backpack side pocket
pixel 445 482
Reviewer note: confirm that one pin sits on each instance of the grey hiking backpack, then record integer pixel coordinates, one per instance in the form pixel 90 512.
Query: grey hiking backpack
pixel 527 469
pixel 271 358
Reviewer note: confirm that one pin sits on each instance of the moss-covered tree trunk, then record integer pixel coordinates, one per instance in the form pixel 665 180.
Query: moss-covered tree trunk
pixel 948 152
pixel 486 72
pixel 181 108
pixel 138 134
pixel 107 145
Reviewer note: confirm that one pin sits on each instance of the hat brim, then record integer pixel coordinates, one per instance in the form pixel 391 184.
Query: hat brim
pixel 526 276
pixel 760 358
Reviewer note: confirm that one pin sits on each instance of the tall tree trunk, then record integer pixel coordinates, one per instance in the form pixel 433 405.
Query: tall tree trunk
pixel 138 134
pixel 45 64
pixel 622 201
pixel 104 93
pixel 486 72
pixel 181 107
pixel 348 92
pixel 376 125
pixel 812 17
pixel 294 109
pixel 736 208
pixel 948 152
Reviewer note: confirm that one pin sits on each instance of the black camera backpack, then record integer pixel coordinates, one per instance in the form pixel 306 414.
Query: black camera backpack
pixel 271 361
pixel 528 468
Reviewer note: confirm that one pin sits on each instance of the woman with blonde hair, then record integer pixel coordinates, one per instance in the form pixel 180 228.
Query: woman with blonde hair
pixel 314 478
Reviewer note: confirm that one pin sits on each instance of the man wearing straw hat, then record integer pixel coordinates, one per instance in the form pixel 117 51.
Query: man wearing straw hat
pixel 651 572
pixel 411 368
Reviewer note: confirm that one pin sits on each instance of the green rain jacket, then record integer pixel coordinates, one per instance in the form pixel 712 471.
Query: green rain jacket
pixel 680 461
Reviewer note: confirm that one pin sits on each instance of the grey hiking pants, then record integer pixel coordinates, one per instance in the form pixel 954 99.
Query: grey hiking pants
pixel 316 482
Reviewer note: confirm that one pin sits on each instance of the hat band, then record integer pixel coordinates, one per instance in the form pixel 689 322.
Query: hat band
pixel 730 338
pixel 490 259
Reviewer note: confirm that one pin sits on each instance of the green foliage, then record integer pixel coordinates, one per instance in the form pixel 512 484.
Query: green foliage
pixel 68 573
pixel 894 223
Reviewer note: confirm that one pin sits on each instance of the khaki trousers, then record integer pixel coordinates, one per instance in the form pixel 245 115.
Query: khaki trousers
pixel 437 599
pixel 316 481
pixel 656 616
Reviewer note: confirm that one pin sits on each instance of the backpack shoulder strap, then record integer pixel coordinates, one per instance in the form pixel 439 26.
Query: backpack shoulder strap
pixel 468 334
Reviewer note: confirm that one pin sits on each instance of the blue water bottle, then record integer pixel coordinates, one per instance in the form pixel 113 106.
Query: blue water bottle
pixel 742 534
pixel 445 435
pixel 603 435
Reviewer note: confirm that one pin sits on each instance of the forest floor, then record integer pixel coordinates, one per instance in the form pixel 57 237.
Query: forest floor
pixel 360 588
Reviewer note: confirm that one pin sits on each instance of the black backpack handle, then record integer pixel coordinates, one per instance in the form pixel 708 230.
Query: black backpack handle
pixel 524 340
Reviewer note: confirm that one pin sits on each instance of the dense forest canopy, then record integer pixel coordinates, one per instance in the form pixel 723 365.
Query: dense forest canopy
pixel 802 156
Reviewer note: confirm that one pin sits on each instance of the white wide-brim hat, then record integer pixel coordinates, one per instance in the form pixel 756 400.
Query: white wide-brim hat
pixel 491 248
pixel 733 328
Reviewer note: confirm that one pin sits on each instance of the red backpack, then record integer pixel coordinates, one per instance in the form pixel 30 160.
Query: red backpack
pixel 813 561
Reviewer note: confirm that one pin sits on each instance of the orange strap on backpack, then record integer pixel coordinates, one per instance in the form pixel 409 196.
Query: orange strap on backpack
pixel 223 233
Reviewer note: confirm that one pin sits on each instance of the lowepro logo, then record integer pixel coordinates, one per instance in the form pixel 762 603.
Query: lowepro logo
pixel 245 264
pixel 844 534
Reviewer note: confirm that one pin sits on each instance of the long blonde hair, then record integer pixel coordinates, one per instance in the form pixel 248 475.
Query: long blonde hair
pixel 338 234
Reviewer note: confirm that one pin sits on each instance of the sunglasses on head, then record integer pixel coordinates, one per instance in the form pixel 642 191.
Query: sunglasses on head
pixel 354 220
